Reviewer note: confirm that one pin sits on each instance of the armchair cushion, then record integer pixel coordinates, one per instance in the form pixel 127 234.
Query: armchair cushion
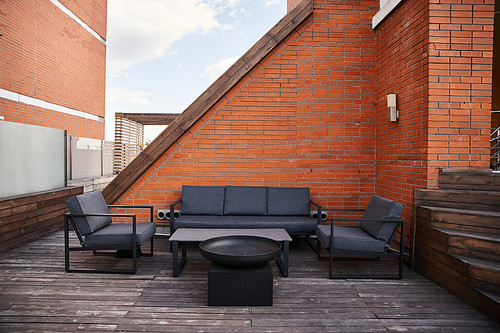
pixel 288 201
pixel 89 203
pixel 245 200
pixel 202 200
pixel 350 239
pixel 120 235
pixel 381 208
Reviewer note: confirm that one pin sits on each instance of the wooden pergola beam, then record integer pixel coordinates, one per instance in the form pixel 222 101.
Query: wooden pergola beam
pixel 151 118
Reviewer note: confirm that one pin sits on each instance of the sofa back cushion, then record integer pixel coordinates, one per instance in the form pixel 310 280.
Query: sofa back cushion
pixel 288 201
pixel 89 203
pixel 381 208
pixel 245 200
pixel 202 200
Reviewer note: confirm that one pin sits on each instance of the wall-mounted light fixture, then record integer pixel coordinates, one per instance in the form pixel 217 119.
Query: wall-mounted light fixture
pixel 391 104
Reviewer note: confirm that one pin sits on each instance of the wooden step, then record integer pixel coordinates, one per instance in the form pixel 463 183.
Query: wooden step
pixel 482 179
pixel 459 199
pixel 485 222
pixel 494 296
pixel 473 244
pixel 484 274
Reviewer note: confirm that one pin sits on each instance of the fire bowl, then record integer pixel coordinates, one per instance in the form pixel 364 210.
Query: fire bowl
pixel 240 251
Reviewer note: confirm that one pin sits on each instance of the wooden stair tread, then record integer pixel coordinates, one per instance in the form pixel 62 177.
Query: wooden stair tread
pixel 464 211
pixel 490 294
pixel 470 234
pixel 479 262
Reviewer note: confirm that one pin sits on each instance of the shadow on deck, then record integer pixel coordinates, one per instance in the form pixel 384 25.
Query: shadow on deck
pixel 37 295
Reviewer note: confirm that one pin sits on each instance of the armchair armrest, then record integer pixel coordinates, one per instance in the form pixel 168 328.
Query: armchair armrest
pixel 70 216
pixel 148 207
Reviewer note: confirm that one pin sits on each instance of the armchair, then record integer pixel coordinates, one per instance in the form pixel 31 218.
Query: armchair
pixel 376 230
pixel 92 222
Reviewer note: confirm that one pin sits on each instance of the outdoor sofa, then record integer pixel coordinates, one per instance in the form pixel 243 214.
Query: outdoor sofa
pixel 245 207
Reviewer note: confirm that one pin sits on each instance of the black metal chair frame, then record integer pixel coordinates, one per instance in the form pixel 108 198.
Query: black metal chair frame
pixel 363 255
pixel 68 249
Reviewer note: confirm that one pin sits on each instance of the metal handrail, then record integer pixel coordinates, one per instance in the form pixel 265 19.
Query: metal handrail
pixel 495 149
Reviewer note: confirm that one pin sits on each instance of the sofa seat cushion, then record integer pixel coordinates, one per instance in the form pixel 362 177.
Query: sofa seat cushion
pixel 292 224
pixel 120 235
pixel 349 238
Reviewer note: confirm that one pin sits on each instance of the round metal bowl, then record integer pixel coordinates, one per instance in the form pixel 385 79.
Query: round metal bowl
pixel 240 251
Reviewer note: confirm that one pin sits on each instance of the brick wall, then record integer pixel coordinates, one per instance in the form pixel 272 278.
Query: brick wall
pixel 460 75
pixel 314 112
pixel 437 58
pixel 48 56
pixel 304 116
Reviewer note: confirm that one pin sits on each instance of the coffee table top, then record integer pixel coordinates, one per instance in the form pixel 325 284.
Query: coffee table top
pixel 198 235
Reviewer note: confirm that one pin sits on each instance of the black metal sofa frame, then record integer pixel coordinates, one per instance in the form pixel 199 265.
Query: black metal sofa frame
pixel 246 207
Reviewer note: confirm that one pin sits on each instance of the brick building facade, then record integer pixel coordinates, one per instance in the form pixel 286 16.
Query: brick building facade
pixel 53 64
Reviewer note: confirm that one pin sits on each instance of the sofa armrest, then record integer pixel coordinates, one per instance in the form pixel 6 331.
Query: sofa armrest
pixel 172 209
pixel 318 207
pixel 138 207
pixel 172 215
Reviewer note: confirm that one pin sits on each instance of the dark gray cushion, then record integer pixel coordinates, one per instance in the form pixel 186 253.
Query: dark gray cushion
pixel 288 201
pixel 89 203
pixel 381 208
pixel 245 200
pixel 202 200
pixel 120 235
pixel 349 238
pixel 294 225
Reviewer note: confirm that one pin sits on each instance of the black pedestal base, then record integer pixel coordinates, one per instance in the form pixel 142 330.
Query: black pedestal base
pixel 240 286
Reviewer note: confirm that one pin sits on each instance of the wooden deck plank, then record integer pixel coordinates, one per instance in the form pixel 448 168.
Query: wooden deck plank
pixel 37 295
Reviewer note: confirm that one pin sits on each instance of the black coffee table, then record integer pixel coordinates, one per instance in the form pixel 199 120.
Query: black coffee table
pixel 184 235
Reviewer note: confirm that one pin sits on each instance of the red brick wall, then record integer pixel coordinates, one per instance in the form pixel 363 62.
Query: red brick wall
pixel 460 75
pixel 304 116
pixel 437 58
pixel 92 12
pixel 401 147
pixel 314 112
pixel 50 57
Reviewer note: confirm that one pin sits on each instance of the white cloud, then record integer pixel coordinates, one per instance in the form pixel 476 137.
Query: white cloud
pixel 215 71
pixel 271 2
pixel 140 30
pixel 121 95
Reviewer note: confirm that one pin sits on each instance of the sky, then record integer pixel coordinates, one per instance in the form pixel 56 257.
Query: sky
pixel 163 54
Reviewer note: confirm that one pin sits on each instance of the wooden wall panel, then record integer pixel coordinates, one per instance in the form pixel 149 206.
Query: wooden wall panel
pixel 29 217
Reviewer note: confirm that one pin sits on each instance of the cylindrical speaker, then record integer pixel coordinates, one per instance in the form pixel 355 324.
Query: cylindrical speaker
pixel 177 213
pixel 162 213
pixel 314 215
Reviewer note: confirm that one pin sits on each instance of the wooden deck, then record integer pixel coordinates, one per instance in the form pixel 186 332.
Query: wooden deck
pixel 37 295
